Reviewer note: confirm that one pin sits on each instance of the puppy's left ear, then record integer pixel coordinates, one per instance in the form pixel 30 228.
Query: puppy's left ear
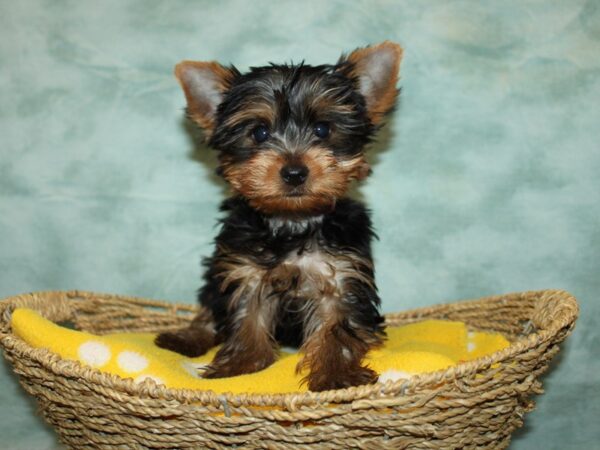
pixel 204 85
pixel 376 69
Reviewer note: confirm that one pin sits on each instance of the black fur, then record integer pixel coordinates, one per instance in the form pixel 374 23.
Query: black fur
pixel 246 231
pixel 289 90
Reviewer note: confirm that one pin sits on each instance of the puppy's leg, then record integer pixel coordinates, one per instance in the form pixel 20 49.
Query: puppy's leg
pixel 338 334
pixel 194 340
pixel 250 345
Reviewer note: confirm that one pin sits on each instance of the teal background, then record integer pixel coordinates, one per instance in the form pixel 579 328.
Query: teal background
pixel 485 182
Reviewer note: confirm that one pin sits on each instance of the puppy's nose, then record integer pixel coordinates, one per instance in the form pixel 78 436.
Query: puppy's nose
pixel 294 174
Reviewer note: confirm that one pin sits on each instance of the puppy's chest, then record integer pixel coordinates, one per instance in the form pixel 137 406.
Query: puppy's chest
pixel 303 265
pixel 307 273
pixel 314 272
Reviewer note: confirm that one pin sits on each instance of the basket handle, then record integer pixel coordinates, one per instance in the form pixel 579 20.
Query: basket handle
pixel 555 309
pixel 57 306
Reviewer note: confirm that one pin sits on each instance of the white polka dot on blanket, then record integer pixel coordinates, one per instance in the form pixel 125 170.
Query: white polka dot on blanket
pixel 94 353
pixel 131 361
pixel 470 344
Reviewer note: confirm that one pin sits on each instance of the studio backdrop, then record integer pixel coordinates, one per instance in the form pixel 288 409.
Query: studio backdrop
pixel 484 182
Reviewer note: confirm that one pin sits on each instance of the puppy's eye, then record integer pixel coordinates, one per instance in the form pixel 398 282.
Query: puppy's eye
pixel 260 134
pixel 321 130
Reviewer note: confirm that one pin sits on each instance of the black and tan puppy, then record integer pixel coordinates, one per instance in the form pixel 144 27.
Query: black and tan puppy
pixel 292 263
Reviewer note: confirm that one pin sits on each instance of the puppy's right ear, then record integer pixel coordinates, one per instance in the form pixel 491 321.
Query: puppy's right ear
pixel 376 70
pixel 204 84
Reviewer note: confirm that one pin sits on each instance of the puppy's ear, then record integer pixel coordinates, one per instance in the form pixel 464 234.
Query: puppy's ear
pixel 204 84
pixel 376 69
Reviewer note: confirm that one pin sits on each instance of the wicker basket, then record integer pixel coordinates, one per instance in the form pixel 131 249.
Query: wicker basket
pixel 476 404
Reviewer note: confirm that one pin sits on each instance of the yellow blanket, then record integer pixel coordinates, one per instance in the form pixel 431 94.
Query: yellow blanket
pixel 411 349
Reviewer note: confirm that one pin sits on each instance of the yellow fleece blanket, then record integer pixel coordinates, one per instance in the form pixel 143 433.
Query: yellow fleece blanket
pixel 411 349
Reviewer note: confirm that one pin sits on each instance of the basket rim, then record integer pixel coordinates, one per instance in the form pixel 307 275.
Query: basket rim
pixel 563 307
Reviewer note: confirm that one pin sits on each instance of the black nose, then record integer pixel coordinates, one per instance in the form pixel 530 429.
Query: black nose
pixel 294 175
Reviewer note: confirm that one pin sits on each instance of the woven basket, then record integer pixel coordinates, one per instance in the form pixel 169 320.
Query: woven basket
pixel 476 404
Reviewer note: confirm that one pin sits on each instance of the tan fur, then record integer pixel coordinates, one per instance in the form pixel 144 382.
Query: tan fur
pixel 257 111
pixel 258 179
pixel 201 112
pixel 252 346
pixel 332 356
pixel 316 279
pixel 325 101
pixel 380 101
pixel 317 275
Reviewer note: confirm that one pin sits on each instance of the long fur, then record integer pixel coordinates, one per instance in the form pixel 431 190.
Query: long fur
pixel 292 263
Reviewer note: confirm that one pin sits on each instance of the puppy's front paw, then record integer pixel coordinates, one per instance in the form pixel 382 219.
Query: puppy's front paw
pixel 342 379
pixel 230 367
pixel 219 371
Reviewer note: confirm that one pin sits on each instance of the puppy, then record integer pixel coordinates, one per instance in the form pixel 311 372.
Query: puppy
pixel 292 262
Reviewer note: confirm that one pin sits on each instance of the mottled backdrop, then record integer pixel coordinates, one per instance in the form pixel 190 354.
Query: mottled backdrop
pixel 486 181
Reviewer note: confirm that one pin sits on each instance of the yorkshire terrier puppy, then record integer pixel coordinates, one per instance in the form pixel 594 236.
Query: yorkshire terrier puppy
pixel 292 263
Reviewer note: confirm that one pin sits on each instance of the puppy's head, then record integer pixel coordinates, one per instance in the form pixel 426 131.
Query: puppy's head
pixel 291 137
